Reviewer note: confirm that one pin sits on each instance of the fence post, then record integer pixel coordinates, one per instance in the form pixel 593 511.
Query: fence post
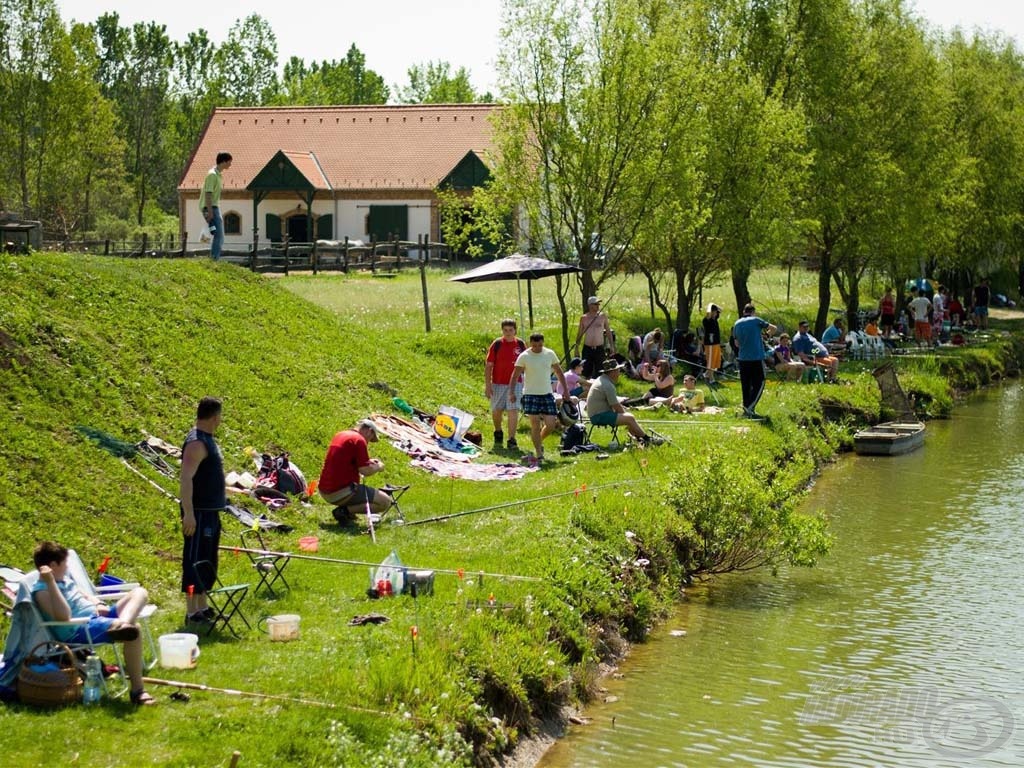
pixel 106 247
pixel 313 257
pixel 398 254
pixel 344 255
pixel 184 242
pixel 423 282
pixel 287 239
pixel 145 241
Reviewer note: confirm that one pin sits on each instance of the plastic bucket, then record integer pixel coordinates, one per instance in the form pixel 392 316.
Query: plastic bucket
pixel 309 544
pixel 283 627
pixel 179 651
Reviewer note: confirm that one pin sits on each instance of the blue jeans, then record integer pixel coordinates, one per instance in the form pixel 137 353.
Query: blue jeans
pixel 217 230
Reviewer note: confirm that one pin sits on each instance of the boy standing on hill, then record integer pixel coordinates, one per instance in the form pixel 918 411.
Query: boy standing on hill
pixel 202 495
pixel 209 199
pixel 501 359
pixel 538 363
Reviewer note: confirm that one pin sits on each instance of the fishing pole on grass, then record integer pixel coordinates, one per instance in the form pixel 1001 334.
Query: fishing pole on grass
pixel 519 502
pixel 256 695
pixel 339 561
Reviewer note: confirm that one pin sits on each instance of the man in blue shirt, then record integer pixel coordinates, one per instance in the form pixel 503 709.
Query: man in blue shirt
pixel 810 351
pixel 750 357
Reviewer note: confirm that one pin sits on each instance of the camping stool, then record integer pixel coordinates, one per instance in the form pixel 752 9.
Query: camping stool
pixel 226 601
pixel 395 492
pixel 590 430
pixel 269 566
pixel 813 374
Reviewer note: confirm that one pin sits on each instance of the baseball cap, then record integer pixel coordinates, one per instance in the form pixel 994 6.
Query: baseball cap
pixel 593 300
pixel 374 434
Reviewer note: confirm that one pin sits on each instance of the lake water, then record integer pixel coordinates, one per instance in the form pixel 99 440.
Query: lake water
pixel 903 648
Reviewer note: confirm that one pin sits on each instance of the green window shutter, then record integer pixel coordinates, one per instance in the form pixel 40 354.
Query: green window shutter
pixel 325 227
pixel 388 221
pixel 273 228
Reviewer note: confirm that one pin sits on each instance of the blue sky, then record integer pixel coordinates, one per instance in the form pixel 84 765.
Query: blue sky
pixel 400 33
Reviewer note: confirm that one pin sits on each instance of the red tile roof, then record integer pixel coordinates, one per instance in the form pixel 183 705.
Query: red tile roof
pixel 407 147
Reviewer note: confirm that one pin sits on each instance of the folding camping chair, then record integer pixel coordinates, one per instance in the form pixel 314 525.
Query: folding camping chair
pixel 29 629
pixel 225 600
pixel 111 593
pixel 269 565
pixel 395 492
pixel 614 428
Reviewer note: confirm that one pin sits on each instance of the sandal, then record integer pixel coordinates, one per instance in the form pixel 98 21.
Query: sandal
pixel 124 634
pixel 142 699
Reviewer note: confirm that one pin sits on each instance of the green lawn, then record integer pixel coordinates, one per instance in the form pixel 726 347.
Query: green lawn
pixel 130 345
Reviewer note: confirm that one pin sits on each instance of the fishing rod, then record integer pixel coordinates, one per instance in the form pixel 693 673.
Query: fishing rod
pixel 253 694
pixel 516 503
pixel 318 559
pixel 156 485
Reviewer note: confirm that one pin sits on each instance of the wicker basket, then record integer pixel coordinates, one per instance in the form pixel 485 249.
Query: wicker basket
pixel 54 688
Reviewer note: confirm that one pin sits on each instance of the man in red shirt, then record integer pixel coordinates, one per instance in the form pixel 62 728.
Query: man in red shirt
pixel 346 463
pixel 501 359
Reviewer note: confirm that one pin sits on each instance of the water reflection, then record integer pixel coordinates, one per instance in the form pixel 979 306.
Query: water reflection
pixel 904 648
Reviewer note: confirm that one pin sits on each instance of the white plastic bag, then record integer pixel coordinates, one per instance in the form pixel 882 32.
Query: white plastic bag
pixel 390 570
pixel 455 425
pixel 204 234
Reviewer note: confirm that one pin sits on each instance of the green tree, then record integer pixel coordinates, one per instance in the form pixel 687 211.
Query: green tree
pixel 987 75
pixel 590 83
pixel 332 82
pixel 57 131
pixel 434 83
pixel 245 65
pixel 134 73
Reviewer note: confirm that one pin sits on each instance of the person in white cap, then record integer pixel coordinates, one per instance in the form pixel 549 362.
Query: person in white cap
pixel 346 463
pixel 596 333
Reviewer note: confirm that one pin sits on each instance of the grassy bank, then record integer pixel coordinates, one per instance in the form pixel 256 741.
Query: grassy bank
pixel 125 346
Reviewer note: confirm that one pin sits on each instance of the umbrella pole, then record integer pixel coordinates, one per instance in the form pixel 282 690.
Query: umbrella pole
pixel 519 289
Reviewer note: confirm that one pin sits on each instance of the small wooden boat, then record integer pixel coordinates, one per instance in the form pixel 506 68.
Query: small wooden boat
pixel 890 438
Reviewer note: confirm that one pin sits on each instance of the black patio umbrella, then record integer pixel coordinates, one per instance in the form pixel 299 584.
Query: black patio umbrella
pixel 516 267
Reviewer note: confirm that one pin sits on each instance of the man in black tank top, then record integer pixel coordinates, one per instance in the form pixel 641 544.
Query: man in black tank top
pixel 202 498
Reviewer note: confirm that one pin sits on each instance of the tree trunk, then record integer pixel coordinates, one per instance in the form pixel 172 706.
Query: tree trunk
pixel 684 301
pixel 824 289
pixel 740 278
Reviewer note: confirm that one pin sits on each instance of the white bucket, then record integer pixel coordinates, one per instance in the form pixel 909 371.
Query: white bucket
pixel 179 651
pixel 283 627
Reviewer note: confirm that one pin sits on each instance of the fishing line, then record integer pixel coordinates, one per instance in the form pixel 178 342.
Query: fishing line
pixel 319 559
pixel 516 503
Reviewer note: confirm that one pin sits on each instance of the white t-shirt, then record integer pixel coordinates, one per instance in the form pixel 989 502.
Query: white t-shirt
pixel 537 371
pixel 920 307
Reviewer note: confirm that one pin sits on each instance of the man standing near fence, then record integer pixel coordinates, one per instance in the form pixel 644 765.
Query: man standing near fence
pixel 209 199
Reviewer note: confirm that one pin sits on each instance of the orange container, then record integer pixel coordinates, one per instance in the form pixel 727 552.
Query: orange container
pixel 309 544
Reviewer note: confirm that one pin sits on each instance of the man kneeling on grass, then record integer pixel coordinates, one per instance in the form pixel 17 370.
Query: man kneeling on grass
pixel 59 599
pixel 346 463
pixel 605 410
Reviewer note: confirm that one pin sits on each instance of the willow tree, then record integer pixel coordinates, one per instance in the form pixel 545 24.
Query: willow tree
pixel 987 75
pixel 582 142
pixel 734 172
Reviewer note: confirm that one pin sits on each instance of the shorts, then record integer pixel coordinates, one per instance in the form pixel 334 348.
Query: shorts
pixel 922 329
pixel 350 495
pixel 713 352
pixel 499 397
pixel 887 321
pixel 201 548
pixel 605 419
pixel 96 630
pixel 539 405
pixel 981 311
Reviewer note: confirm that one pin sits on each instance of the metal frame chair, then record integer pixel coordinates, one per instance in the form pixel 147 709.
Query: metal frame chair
pixel 269 566
pixel 225 600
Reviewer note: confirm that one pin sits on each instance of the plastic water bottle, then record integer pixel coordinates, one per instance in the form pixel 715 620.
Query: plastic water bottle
pixel 93 681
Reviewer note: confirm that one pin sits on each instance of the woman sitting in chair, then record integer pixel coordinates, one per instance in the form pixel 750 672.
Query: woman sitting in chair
pixel 59 599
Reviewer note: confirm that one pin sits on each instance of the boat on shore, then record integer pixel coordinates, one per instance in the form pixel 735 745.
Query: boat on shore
pixel 890 438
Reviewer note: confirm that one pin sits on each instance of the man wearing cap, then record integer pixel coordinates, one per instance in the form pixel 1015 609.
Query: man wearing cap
pixel 536 365
pixel 810 351
pixel 346 463
pixel 596 333
pixel 604 408
pixel 750 356
pixel 501 359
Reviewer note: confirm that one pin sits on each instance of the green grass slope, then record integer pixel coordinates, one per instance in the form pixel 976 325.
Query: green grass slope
pixel 126 346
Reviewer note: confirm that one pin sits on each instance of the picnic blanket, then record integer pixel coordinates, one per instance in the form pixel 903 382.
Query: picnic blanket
pixel 419 442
